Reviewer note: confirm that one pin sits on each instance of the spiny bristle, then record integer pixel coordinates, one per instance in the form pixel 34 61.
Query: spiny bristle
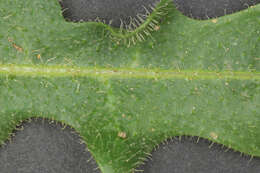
pixel 129 21
pixel 142 25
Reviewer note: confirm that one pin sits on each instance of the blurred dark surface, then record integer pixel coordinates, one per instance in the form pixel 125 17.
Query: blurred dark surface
pixel 44 147
pixel 188 156
pixel 114 11
pixel 205 9
pixel 117 11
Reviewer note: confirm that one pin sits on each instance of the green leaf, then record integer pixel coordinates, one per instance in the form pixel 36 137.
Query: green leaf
pixel 198 78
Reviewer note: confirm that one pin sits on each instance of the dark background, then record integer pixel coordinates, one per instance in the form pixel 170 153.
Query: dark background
pixel 117 10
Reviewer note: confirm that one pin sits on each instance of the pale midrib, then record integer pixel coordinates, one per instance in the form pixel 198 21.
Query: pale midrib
pixel 65 71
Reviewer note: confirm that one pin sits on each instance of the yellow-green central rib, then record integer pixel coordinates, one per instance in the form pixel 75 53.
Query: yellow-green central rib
pixel 65 71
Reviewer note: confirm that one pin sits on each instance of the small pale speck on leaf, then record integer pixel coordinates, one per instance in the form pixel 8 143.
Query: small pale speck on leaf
pixel 214 135
pixel 156 28
pixel 214 20
pixel 39 56
pixel 19 49
pixel 121 135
